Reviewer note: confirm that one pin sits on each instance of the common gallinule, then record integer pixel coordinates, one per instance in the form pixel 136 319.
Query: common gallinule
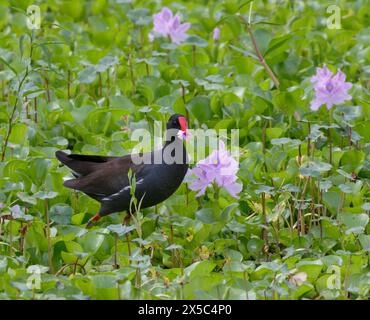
pixel 106 180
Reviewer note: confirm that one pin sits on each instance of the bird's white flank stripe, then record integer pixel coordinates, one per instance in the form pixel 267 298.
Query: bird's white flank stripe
pixel 112 196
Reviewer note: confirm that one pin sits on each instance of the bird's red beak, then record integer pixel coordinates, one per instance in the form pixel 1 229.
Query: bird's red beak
pixel 183 125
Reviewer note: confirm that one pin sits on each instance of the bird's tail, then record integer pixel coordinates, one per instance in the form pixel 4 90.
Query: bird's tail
pixel 62 157
pixel 80 167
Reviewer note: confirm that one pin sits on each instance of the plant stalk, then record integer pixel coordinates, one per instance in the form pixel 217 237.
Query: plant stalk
pixel 264 221
pixel 261 58
pixel 48 234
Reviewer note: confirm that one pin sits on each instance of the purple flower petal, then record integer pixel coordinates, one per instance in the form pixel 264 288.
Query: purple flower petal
pixel 166 14
pixel 16 209
pixel 234 189
pixel 216 33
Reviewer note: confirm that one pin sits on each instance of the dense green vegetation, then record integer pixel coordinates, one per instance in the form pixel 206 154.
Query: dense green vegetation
pixel 91 75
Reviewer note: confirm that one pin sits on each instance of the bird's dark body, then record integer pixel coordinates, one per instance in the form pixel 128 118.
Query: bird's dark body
pixel 106 178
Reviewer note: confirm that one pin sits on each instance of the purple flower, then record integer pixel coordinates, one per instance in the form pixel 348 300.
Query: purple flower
pixel 329 89
pixel 216 33
pixel 219 168
pixel 182 135
pixel 178 31
pixel 167 25
pixel 16 209
pixel 162 21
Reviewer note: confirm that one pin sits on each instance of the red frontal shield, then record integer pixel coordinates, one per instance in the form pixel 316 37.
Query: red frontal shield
pixel 183 124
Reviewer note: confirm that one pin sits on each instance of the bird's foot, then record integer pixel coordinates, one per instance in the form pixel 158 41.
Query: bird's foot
pixel 92 221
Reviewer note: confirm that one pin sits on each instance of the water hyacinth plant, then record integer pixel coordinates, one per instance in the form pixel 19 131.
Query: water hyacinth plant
pixel 168 25
pixel 218 169
pixel 329 89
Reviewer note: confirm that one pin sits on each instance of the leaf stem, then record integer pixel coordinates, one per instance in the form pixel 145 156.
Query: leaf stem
pixel 35 107
pixel 46 79
pixel 3 89
pixel 127 236
pixel 116 266
pixel 11 235
pixel 100 88
pixel 173 251
pixel 330 138
pixel 183 95
pixel 132 77
pixel 260 56
pixel 10 121
pixel 48 234
pixel 301 223
pixel 264 221
pixel 309 139
pixel 69 84
pixel 108 84
pixel 193 55
pixel 349 137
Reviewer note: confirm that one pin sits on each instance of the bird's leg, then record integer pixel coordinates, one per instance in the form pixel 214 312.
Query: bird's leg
pixel 91 222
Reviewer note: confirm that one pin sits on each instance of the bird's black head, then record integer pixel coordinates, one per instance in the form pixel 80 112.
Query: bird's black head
pixel 177 121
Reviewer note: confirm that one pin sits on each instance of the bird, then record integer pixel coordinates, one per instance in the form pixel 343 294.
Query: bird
pixel 158 174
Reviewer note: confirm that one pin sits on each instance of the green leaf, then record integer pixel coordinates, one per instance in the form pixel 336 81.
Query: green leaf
pixel 354 220
pixel 45 195
pixel 278 45
pixel 200 108
pixel 315 168
pixel 92 241
pixel 196 41
pixel 87 75
pixel 345 174
pixel 206 215
pixel 332 200
pixel 120 229
pixel 325 185
pixel 274 133
pixel 61 213
pixel 244 52
pixel 19 133
pixel 140 17
pixel 287 101
pixel 106 62
pixel 352 160
pixel 264 189
pixel 311 267
pixel 263 37
pixel 8 65
pixel 25 197
pixel 255 246
pixel 280 141
pixel 174 247
pixel 365 241
pixel 350 187
pixel 199 268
